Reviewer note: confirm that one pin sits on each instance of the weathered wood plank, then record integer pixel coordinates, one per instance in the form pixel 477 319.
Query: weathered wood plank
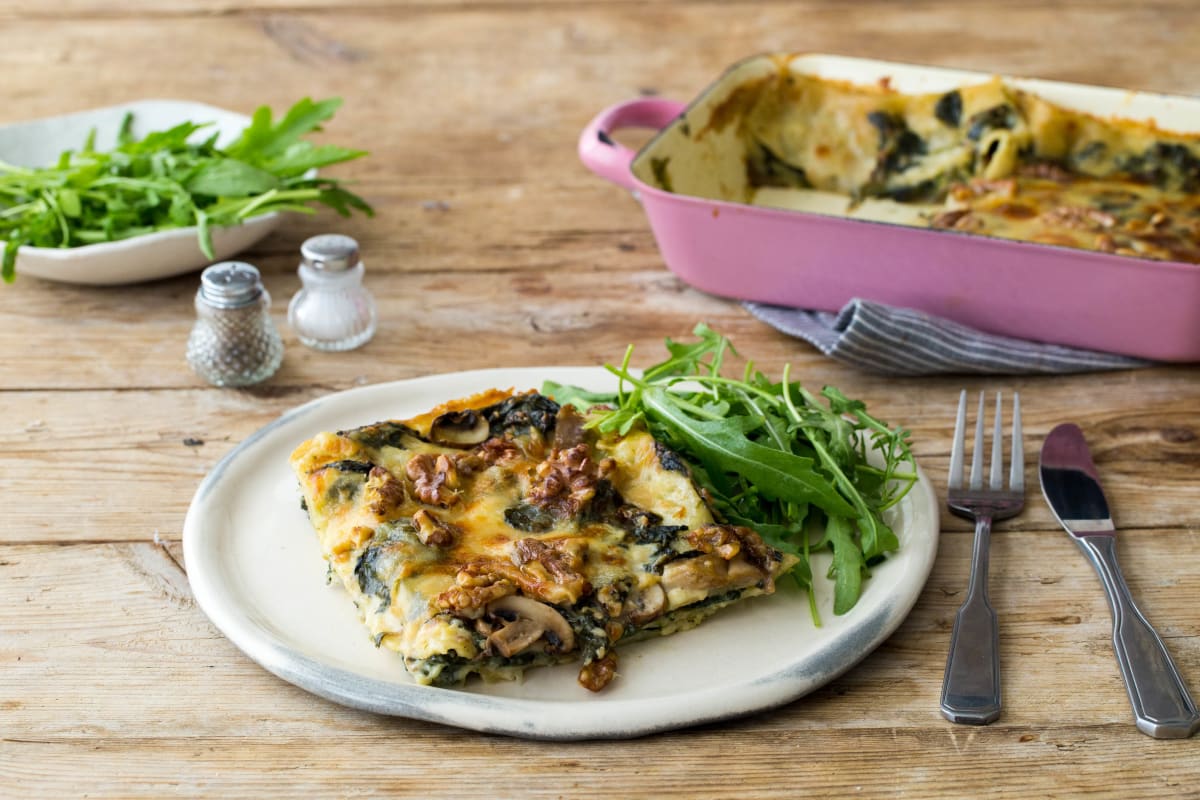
pixel 500 69
pixel 494 246
pixel 136 337
pixel 121 456
pixel 87 628
pixel 871 762
pixel 140 9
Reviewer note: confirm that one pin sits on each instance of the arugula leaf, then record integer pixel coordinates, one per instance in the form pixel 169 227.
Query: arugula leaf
pixel 580 398
pixel 776 474
pixel 770 455
pixel 124 135
pixel 262 140
pixel 9 269
pixel 341 200
pixel 228 177
pixel 166 180
pixel 300 157
pixel 848 564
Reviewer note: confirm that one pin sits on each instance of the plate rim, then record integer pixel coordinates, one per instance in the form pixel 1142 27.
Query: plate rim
pixel 523 717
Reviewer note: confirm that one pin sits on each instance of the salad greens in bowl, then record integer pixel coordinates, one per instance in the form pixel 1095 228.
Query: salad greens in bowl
pixel 157 188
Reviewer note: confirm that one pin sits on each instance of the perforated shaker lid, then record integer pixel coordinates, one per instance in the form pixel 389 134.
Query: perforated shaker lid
pixel 230 284
pixel 330 252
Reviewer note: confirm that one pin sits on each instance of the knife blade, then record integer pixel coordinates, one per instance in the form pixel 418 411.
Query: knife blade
pixel 1162 706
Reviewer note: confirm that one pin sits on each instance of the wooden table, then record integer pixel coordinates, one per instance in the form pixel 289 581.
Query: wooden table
pixel 493 246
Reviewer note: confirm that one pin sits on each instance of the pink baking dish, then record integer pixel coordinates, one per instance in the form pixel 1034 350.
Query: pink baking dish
pixel 1122 304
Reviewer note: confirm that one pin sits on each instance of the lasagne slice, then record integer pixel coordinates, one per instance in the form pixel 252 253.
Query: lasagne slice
pixel 987 158
pixel 497 533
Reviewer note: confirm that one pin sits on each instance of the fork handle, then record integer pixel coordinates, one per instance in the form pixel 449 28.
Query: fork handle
pixel 1162 707
pixel 971 686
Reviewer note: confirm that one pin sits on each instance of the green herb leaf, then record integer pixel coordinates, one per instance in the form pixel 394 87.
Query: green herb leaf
pixel 9 270
pixel 263 140
pixel 848 565
pixel 580 398
pixel 343 201
pixel 723 445
pixel 300 157
pixel 124 134
pixel 770 455
pixel 205 233
pixel 228 177
pixel 166 180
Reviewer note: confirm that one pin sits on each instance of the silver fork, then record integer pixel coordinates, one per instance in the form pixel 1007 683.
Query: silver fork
pixel 971 687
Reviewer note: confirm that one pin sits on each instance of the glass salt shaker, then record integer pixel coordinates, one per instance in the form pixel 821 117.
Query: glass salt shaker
pixel 234 342
pixel 333 310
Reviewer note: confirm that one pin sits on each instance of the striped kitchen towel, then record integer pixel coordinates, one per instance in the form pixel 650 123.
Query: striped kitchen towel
pixel 902 341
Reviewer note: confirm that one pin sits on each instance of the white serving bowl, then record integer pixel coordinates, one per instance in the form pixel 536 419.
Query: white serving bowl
pixel 39 142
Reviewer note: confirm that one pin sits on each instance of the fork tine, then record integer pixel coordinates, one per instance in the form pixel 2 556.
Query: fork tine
pixel 1016 475
pixel 977 455
pixel 956 448
pixel 996 476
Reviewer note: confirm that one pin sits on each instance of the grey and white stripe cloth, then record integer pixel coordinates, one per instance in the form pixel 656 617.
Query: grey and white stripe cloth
pixel 901 341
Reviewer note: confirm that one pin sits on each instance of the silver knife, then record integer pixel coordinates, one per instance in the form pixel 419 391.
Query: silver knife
pixel 1162 706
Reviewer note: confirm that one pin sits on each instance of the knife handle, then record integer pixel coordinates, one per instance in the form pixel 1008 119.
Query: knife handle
pixel 971 686
pixel 1162 706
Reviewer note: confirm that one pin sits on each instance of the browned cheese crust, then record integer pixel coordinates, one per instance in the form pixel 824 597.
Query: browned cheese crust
pixel 497 532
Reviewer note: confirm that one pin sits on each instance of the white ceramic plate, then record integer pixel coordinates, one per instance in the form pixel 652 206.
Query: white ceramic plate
pixel 256 570
pixel 37 143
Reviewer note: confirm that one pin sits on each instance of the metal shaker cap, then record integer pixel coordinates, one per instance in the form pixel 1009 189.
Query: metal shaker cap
pixel 330 252
pixel 230 284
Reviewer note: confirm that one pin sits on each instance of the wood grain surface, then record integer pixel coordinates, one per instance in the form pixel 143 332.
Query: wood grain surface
pixel 493 246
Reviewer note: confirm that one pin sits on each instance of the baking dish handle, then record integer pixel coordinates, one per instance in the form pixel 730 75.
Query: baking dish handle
pixel 603 155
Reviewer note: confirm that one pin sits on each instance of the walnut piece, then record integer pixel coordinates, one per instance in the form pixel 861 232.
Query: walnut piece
pixel 959 219
pixel 566 481
pixel 497 450
pixel 384 493
pixel 475 587
pixel 435 479
pixel 433 531
pixel 599 673
pixel 552 569
pixel 1080 218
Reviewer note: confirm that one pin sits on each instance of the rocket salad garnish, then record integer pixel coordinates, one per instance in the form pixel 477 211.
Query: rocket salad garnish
pixel 165 180
pixel 770 455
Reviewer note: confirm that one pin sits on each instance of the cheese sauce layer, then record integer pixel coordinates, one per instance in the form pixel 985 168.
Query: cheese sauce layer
pixel 986 159
pixel 497 532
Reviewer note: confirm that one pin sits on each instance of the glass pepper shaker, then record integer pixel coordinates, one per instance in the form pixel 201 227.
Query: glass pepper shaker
pixel 333 310
pixel 234 342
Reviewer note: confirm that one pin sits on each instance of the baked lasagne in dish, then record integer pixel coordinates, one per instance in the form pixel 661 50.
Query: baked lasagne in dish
pixel 496 533
pixel 987 158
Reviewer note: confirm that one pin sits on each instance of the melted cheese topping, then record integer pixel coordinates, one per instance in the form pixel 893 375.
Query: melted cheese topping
pixel 537 541
pixel 870 152
pixel 1113 216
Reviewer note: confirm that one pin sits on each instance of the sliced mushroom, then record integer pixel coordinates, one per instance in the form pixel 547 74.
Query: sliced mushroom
pixel 742 573
pixel 515 636
pixel 689 580
pixel 568 428
pixel 527 622
pixel 460 429
pixel 700 572
pixel 646 604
